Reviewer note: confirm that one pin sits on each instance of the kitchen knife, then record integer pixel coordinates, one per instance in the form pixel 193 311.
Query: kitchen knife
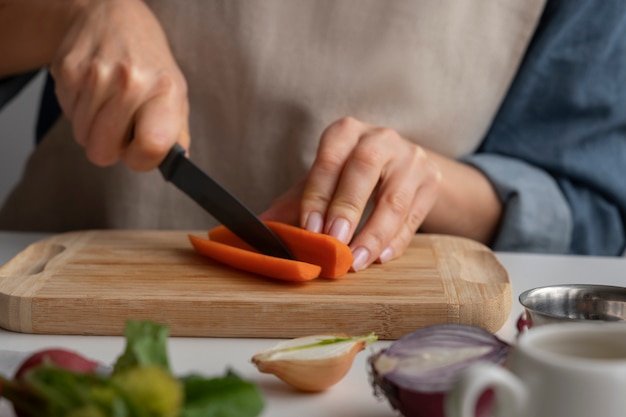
pixel 221 204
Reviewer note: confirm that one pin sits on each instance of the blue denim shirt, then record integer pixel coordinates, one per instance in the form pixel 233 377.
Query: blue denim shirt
pixel 556 151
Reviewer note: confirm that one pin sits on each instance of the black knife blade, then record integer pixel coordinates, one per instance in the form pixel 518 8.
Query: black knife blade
pixel 221 204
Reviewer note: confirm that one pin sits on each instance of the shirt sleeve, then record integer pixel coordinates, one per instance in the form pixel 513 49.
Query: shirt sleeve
pixel 556 150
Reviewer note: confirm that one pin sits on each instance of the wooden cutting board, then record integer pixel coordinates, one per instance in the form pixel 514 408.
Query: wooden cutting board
pixel 91 282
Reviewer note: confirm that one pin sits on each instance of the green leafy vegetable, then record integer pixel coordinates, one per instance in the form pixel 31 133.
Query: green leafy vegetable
pixel 146 344
pixel 141 385
pixel 225 396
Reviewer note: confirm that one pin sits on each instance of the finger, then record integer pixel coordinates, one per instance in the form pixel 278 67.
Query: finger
pixel 113 126
pixel 96 89
pixel 68 68
pixel 335 147
pixel 184 138
pixel 65 95
pixel 159 123
pixel 405 197
pixel 422 204
pixel 111 130
pixel 360 176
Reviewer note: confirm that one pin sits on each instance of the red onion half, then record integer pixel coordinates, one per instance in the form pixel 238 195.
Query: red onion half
pixel 416 371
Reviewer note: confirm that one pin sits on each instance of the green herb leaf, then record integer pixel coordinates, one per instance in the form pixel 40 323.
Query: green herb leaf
pixel 227 396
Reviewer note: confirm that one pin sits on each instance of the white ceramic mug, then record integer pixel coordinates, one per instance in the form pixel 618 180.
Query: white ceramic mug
pixel 556 370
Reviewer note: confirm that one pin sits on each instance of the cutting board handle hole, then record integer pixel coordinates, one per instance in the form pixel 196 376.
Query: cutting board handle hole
pixel 32 260
pixel 51 252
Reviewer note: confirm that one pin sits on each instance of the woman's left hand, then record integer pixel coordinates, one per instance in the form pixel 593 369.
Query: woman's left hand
pixel 355 163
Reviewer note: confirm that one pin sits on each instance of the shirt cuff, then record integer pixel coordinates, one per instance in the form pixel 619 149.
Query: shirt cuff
pixel 536 216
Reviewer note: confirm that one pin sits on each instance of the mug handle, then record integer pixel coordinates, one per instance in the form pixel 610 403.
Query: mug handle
pixel 511 395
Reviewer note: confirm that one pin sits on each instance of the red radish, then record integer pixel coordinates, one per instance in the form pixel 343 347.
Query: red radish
pixel 63 358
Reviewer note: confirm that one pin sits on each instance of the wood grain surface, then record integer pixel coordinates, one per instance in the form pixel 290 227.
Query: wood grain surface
pixel 91 282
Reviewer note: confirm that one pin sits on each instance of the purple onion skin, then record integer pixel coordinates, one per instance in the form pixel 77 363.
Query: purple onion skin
pixel 408 403
pixel 413 402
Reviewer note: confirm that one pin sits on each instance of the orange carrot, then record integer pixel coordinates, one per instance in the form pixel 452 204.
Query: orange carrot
pixel 332 255
pixel 269 266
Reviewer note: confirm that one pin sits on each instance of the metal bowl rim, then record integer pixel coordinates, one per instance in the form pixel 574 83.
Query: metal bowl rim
pixel 524 296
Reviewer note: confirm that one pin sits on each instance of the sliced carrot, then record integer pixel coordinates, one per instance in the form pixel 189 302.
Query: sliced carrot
pixel 331 254
pixel 269 266
pixel 334 256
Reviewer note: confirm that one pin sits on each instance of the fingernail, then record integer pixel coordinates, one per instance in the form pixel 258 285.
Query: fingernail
pixel 361 256
pixel 340 229
pixel 315 222
pixel 386 255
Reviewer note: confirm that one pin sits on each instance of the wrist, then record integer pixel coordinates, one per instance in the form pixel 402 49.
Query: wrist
pixel 467 204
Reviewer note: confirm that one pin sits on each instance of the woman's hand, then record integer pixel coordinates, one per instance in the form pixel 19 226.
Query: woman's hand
pixel 118 83
pixel 357 162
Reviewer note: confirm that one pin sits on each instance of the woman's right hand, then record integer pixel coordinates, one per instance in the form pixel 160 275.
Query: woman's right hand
pixel 119 85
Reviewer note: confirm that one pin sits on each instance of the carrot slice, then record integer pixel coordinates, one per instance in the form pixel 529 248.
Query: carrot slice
pixel 269 266
pixel 331 254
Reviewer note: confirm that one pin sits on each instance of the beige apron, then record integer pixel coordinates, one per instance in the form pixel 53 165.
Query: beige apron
pixel 266 77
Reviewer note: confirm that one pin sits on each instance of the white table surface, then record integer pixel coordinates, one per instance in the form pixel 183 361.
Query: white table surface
pixel 353 396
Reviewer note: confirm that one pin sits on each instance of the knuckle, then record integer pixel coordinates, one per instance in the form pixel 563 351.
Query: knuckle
pixel 421 161
pixel 347 123
pixel 414 220
pixel 418 156
pixel 386 132
pixel 63 65
pixel 434 176
pixel 341 127
pixel 166 82
pixel 398 202
pixel 349 206
pixel 96 73
pixel 135 81
pixel 376 241
pixel 328 161
pixel 163 81
pixel 419 152
pixel 367 157
pixel 129 78
pixel 313 199
pixel 65 71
